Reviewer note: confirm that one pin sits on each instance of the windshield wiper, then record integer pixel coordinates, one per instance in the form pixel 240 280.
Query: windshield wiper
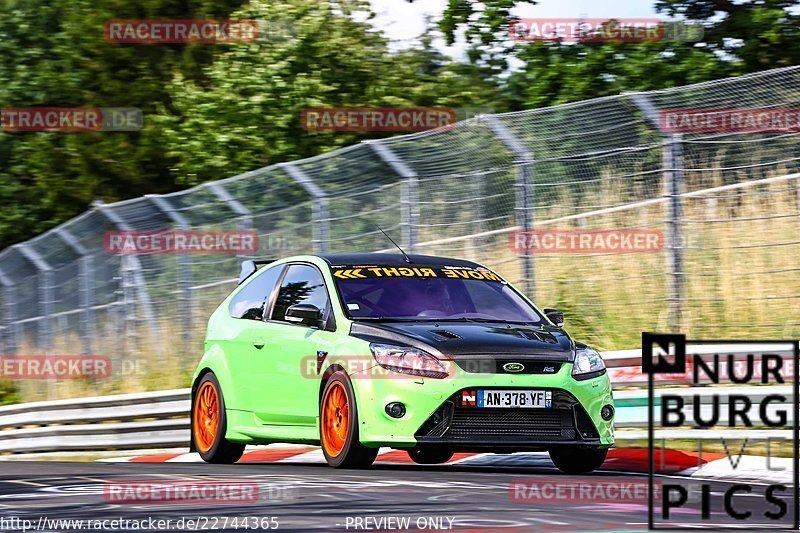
pixel 487 320
pixel 441 319
pixel 390 319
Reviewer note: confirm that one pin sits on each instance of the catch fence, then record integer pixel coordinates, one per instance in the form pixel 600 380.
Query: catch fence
pixel 726 202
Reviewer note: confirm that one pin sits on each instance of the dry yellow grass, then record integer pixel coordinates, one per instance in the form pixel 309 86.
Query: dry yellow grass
pixel 741 278
pixel 139 363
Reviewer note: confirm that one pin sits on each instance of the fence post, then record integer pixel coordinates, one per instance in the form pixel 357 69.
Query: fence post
pixel 410 213
pixel 85 267
pixel 409 195
pixel 9 319
pixel 127 300
pixel 524 196
pixel 321 227
pixel 184 267
pixel 797 195
pixel 135 266
pixel 45 293
pixel 672 164
pixel 244 219
pixel 478 191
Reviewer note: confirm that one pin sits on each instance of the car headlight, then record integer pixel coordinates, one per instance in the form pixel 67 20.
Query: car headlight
pixel 407 360
pixel 588 364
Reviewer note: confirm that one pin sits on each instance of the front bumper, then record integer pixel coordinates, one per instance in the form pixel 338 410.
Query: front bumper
pixel 434 416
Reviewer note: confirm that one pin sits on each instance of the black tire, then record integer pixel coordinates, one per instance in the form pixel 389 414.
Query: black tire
pixel 221 451
pixel 428 455
pixel 578 461
pixel 353 454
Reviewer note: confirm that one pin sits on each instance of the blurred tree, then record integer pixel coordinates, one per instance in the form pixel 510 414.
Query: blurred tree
pixel 247 115
pixel 485 28
pixel 739 37
pixel 202 121
pixel 53 53
pixel 555 73
pixel 755 35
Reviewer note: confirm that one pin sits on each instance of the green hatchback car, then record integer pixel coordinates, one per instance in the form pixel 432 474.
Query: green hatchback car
pixel 426 354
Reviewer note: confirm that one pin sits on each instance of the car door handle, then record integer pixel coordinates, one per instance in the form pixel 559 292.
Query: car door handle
pixel 258 344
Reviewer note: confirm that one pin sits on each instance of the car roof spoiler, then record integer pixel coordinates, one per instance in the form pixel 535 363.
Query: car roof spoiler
pixel 250 266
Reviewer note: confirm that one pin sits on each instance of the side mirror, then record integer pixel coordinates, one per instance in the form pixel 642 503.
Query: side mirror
pixel 307 314
pixel 555 316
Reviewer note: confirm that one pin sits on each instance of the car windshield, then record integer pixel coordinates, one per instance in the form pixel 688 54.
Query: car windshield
pixel 430 293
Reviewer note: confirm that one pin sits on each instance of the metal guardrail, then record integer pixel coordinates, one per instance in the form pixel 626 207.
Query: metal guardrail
pixel 124 421
pixel 160 419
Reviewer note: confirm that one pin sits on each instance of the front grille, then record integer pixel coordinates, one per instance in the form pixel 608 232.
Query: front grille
pixel 543 424
pixel 453 422
pixel 492 365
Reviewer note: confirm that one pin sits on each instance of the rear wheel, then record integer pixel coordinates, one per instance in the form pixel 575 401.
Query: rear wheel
pixel 338 426
pixel 429 455
pixel 209 424
pixel 578 461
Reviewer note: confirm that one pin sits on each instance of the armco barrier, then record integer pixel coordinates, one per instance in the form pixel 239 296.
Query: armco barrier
pixel 161 419
pixel 125 421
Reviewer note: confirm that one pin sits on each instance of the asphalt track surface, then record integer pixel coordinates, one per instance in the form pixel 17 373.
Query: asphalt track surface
pixel 313 497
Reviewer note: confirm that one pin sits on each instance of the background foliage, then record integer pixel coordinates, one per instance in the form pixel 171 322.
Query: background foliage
pixel 213 111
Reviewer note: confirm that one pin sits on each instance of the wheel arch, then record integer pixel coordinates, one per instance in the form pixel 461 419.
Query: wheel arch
pixel 326 376
pixel 213 361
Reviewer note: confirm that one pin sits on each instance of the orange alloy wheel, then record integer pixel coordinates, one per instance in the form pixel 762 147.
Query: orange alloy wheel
pixel 335 419
pixel 206 416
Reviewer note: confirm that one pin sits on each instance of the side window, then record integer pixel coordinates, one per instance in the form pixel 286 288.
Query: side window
pixel 250 301
pixel 303 284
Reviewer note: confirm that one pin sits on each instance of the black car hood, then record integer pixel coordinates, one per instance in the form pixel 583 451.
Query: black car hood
pixel 469 339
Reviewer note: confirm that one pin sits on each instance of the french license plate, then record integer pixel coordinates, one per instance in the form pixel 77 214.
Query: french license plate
pixel 514 399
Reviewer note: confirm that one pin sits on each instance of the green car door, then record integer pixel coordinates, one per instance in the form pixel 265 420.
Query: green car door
pixel 284 373
pixel 245 340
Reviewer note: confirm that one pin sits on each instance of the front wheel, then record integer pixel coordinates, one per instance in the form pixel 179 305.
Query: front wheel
pixel 578 461
pixel 338 426
pixel 209 424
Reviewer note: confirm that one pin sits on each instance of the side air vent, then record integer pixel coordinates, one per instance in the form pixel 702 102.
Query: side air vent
pixel 533 335
pixel 444 334
pixel 529 334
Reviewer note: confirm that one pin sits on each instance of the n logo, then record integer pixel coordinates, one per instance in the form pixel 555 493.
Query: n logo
pixel 468 398
pixel 663 353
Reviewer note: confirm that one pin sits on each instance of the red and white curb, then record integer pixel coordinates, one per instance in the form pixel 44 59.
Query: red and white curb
pixel 671 462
